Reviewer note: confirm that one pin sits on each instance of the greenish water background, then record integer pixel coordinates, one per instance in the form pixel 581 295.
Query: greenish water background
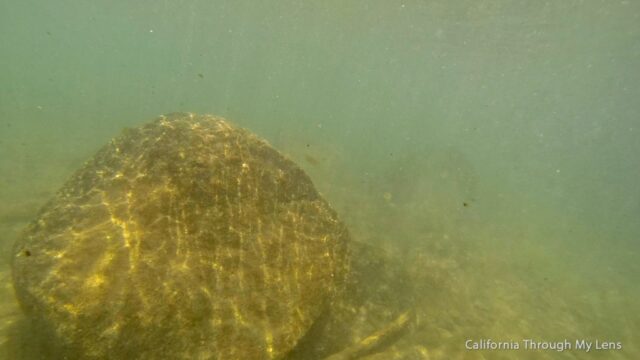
pixel 499 140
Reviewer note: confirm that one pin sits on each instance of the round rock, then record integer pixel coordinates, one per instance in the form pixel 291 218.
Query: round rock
pixel 185 238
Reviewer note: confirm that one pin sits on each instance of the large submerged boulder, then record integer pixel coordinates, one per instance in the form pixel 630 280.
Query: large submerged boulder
pixel 186 238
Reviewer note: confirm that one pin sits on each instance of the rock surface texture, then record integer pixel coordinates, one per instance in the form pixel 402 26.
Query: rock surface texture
pixel 186 238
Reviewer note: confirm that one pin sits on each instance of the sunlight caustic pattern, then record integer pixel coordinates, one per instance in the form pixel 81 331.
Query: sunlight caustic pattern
pixel 184 238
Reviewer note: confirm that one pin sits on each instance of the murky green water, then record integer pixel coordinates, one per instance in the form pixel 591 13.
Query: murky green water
pixel 492 145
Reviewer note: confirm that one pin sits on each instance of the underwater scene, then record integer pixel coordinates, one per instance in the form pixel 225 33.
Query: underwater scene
pixel 319 180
